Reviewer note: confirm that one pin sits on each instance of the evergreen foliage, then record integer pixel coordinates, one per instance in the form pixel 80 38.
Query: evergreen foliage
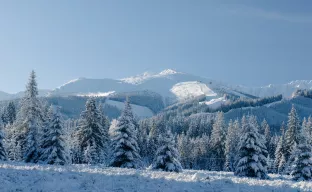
pixel 167 156
pixel 252 155
pixel 125 151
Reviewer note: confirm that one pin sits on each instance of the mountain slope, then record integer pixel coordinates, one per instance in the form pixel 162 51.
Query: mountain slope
pixel 274 89
pixel 171 85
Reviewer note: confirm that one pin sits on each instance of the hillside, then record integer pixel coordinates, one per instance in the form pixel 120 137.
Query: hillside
pixel 172 86
pixel 274 89
pixel 78 178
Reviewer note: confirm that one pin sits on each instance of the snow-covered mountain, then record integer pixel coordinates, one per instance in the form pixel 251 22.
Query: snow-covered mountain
pixel 274 89
pixel 10 96
pixel 170 84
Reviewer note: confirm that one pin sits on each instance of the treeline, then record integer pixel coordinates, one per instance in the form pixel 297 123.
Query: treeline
pixel 304 93
pixel 194 106
pixel 243 102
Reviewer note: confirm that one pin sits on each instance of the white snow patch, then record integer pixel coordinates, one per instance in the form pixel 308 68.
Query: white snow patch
pixel 138 79
pixel 191 89
pixel 71 81
pixel 215 103
pixel 77 178
pixel 98 94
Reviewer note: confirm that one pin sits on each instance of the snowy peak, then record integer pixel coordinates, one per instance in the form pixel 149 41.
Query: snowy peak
pixel 138 79
pixel 168 72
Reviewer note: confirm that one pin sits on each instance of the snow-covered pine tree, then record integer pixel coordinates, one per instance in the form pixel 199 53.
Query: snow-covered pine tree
pixel 280 160
pixel 105 132
pixel 28 125
pixel 193 130
pixel 185 150
pixel 308 130
pixel 143 138
pixel 232 139
pixel 217 143
pixel 89 135
pixel 158 127
pixel 301 169
pixel 292 135
pixel 3 154
pixel 167 156
pixel 9 114
pixel 268 140
pixel 266 132
pixel 252 154
pixel 263 126
pixel 125 152
pixel 53 146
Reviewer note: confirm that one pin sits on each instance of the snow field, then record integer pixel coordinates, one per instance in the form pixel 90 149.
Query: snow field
pixel 75 178
pixel 190 89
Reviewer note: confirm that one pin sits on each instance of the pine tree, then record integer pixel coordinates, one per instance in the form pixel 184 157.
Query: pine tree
pixel 184 150
pixel 29 123
pixel 218 137
pixel 158 127
pixel 280 159
pixel 90 135
pixel 231 143
pixel 167 156
pixel 3 154
pixel 143 139
pixel 308 130
pixel 252 155
pixel 269 141
pixel 105 124
pixel 53 147
pixel 292 134
pixel 125 151
pixel 302 164
pixel 9 114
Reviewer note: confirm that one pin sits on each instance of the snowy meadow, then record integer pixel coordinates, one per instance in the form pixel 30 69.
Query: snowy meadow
pixel 76 178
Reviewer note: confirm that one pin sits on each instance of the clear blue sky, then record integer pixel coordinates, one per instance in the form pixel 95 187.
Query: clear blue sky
pixel 241 42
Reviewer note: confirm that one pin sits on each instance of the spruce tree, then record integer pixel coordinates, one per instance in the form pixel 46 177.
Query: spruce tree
pixel 9 114
pixel 53 147
pixel 280 159
pixel 232 139
pixel 293 133
pixel 217 143
pixel 158 128
pixel 252 153
pixel 308 130
pixel 184 150
pixel 29 123
pixel 301 169
pixel 105 124
pixel 90 136
pixel 3 154
pixel 167 156
pixel 125 151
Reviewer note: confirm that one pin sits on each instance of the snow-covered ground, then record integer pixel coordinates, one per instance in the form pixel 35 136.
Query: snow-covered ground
pixel 191 89
pixel 76 178
pixel 215 103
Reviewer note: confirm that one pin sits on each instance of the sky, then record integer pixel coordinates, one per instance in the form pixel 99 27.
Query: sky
pixel 248 42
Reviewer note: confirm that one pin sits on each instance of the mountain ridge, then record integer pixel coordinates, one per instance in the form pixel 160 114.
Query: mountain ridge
pixel 163 83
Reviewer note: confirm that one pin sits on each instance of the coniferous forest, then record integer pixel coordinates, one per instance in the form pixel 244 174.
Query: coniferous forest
pixel 37 133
